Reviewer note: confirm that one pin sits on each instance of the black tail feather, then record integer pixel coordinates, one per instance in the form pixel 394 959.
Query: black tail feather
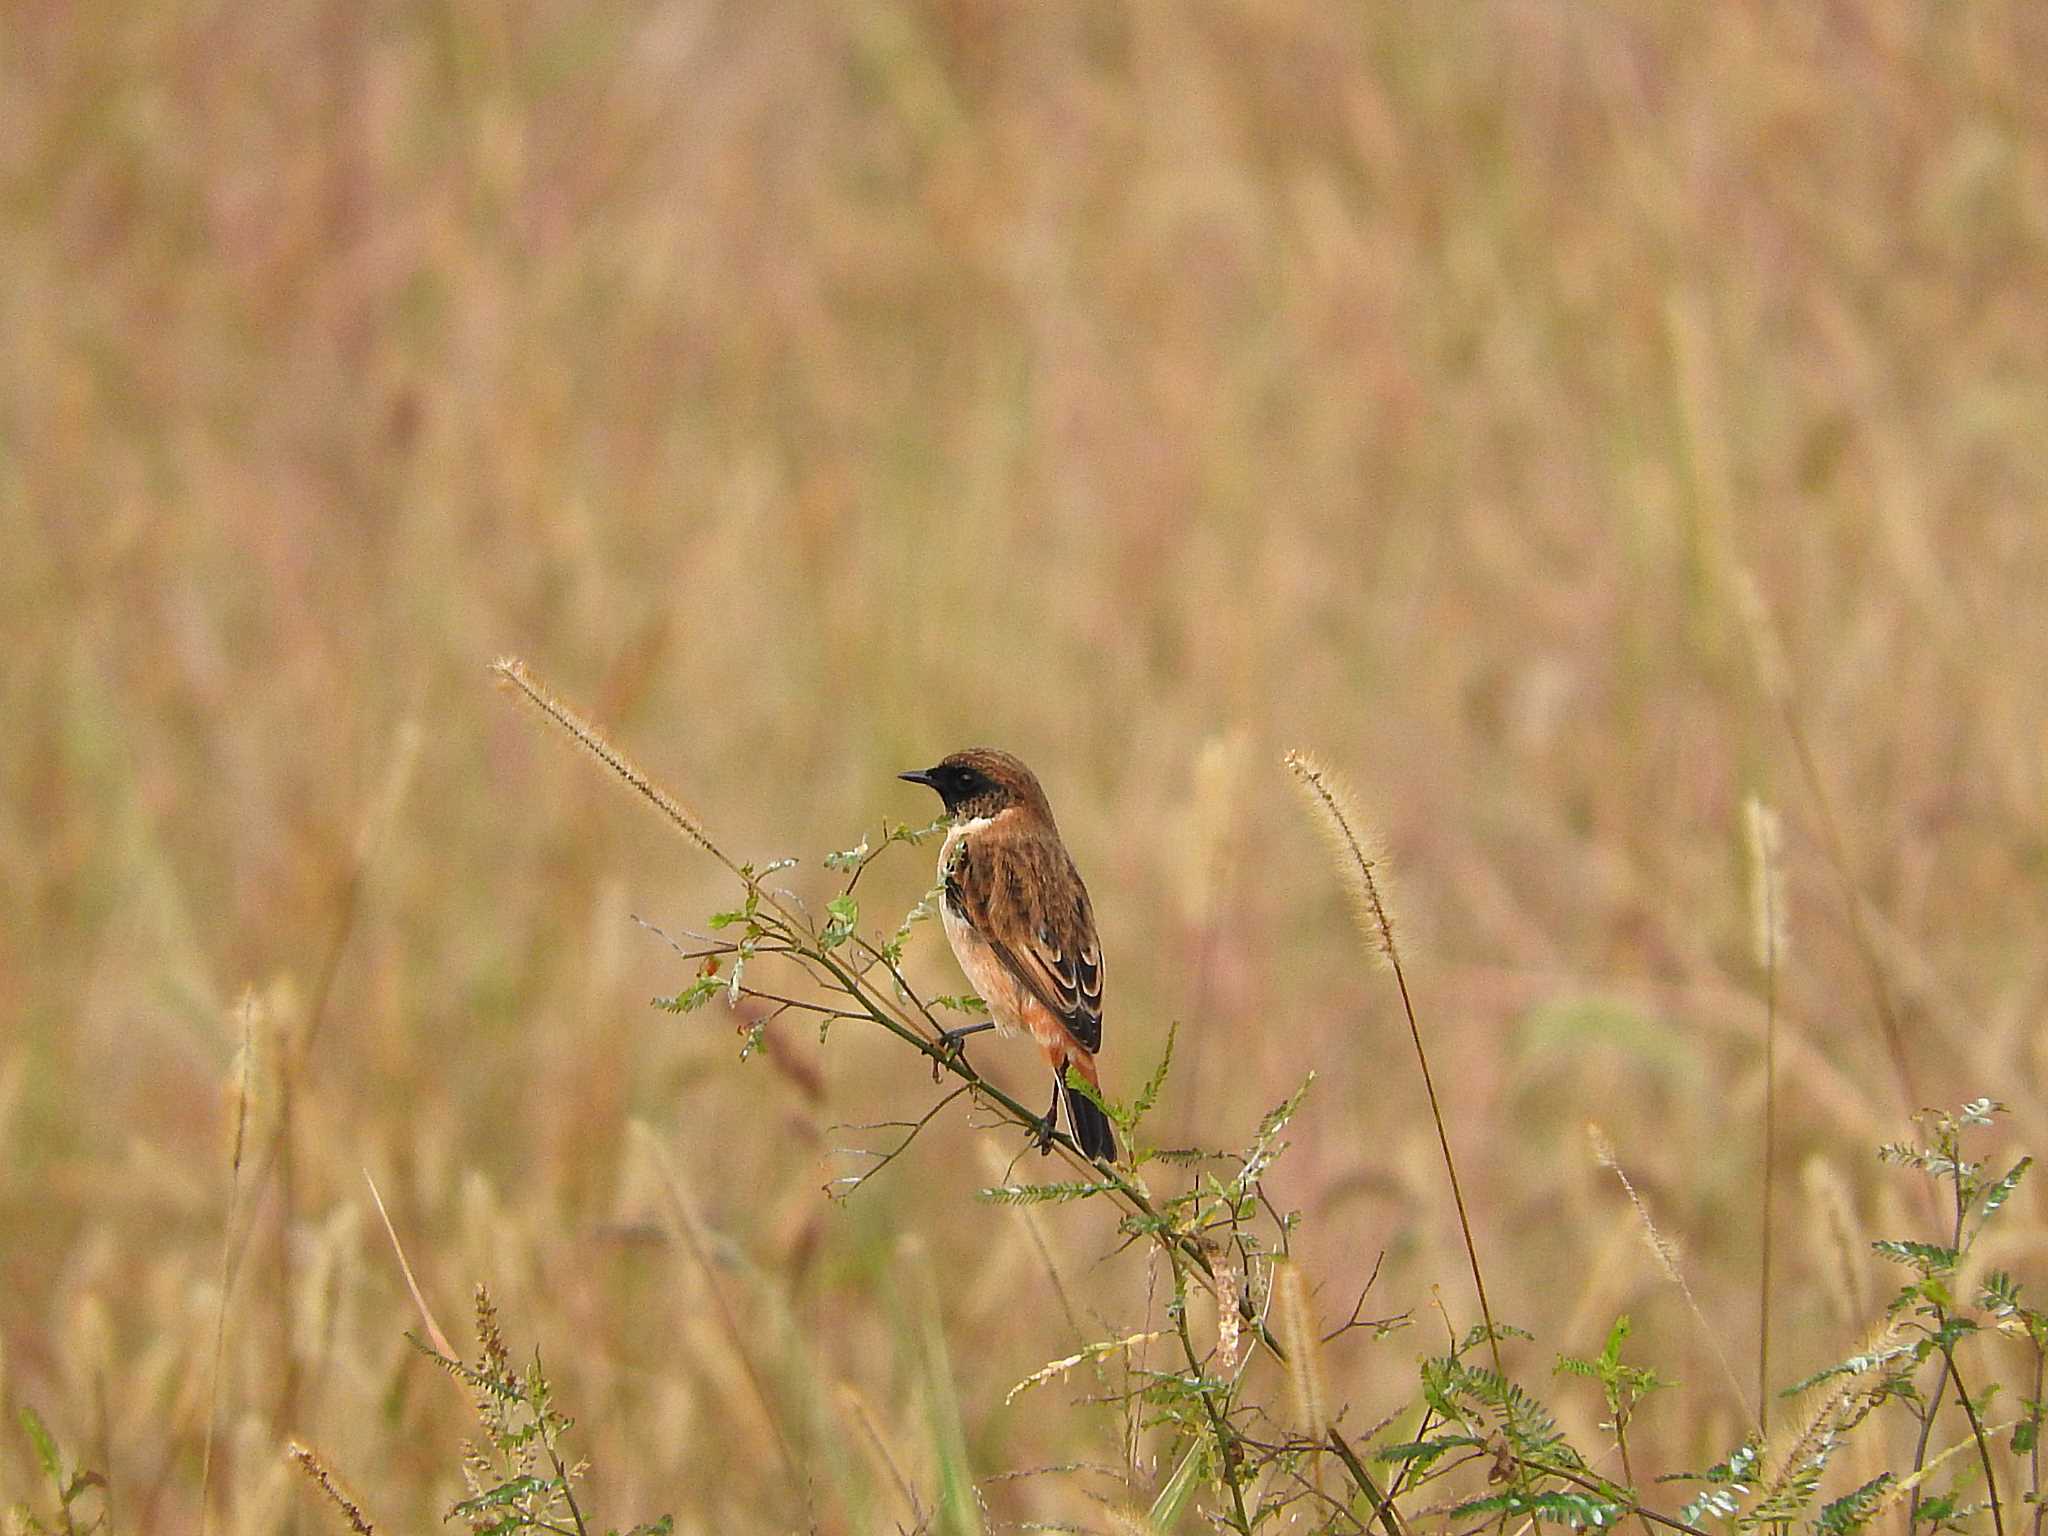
pixel 1091 1127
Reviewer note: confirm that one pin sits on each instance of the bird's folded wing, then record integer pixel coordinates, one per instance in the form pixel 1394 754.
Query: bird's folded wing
pixel 1024 898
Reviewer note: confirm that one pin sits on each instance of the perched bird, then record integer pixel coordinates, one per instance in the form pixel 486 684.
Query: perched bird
pixel 1018 918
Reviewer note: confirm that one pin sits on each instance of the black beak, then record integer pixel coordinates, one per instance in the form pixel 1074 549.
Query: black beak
pixel 921 776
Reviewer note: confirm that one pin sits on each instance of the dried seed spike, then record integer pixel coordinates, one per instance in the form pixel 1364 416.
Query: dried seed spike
pixel 308 1461
pixel 515 673
pixel 1294 1320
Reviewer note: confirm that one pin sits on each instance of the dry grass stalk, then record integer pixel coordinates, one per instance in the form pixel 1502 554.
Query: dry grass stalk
pixel 1776 678
pixel 224 1276
pixel 1665 1253
pixel 1336 816
pixel 435 1336
pixel 1767 936
pixel 691 1229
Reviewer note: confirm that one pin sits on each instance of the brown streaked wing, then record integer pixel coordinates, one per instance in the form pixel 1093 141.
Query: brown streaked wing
pixel 1022 894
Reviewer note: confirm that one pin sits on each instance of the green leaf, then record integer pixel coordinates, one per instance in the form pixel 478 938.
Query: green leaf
pixel 845 912
pixel 1424 1453
pixel 46 1446
pixel 512 1492
pixel 1149 1094
pixel 1079 1084
pixel 2001 1191
pixel 1180 1487
pixel 1721 1503
pixel 1855 1509
pixel 1041 1194
pixel 1581 1511
pixel 1855 1365
pixel 694 996
pixel 1929 1258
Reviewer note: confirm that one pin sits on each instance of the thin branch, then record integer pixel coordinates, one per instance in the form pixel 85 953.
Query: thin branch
pixel 1983 1450
pixel 1382 1503
pixel 853 1182
pixel 1226 1450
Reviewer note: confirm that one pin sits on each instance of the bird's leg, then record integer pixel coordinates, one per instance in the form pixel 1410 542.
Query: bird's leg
pixel 1052 1119
pixel 949 1040
pixel 954 1036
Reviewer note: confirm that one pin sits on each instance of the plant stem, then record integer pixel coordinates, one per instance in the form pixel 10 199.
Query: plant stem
pixel 1948 1366
pixel 1383 1504
pixel 1983 1450
pixel 1635 1505
pixel 955 1062
pixel 1763 1330
pixel 2034 1451
pixel 1226 1441
pixel 1451 1167
pixel 1627 1471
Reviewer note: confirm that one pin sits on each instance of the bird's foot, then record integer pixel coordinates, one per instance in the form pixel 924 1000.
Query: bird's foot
pixel 950 1042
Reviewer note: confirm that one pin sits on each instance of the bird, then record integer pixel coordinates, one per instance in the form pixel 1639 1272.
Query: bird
pixel 1021 926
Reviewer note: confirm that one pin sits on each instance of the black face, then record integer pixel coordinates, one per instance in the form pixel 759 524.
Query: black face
pixel 957 783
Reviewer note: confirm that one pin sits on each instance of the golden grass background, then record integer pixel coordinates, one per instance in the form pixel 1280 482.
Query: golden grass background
pixel 808 390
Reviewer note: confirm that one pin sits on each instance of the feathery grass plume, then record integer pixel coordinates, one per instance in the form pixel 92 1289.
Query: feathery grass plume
pixel 1334 810
pixel 1336 816
pixel 1095 1351
pixel 1665 1252
pixel 517 675
pixel 1295 1323
pixel 1769 933
pixel 1830 1407
pixel 1767 937
pixel 1835 1230
pixel 308 1461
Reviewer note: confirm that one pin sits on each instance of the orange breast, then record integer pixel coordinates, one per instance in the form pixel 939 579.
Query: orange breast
pixel 1010 1002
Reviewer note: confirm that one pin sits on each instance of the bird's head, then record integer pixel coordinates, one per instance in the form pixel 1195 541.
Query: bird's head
pixel 981 781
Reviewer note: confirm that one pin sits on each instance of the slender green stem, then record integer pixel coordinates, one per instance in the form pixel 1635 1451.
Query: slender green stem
pixel 2034 1451
pixel 1605 1490
pixel 953 1060
pixel 1382 1504
pixel 1763 1339
pixel 1940 1386
pixel 1219 1427
pixel 1627 1471
pixel 1983 1450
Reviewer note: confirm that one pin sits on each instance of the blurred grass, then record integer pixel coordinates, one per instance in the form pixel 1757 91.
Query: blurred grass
pixel 812 390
